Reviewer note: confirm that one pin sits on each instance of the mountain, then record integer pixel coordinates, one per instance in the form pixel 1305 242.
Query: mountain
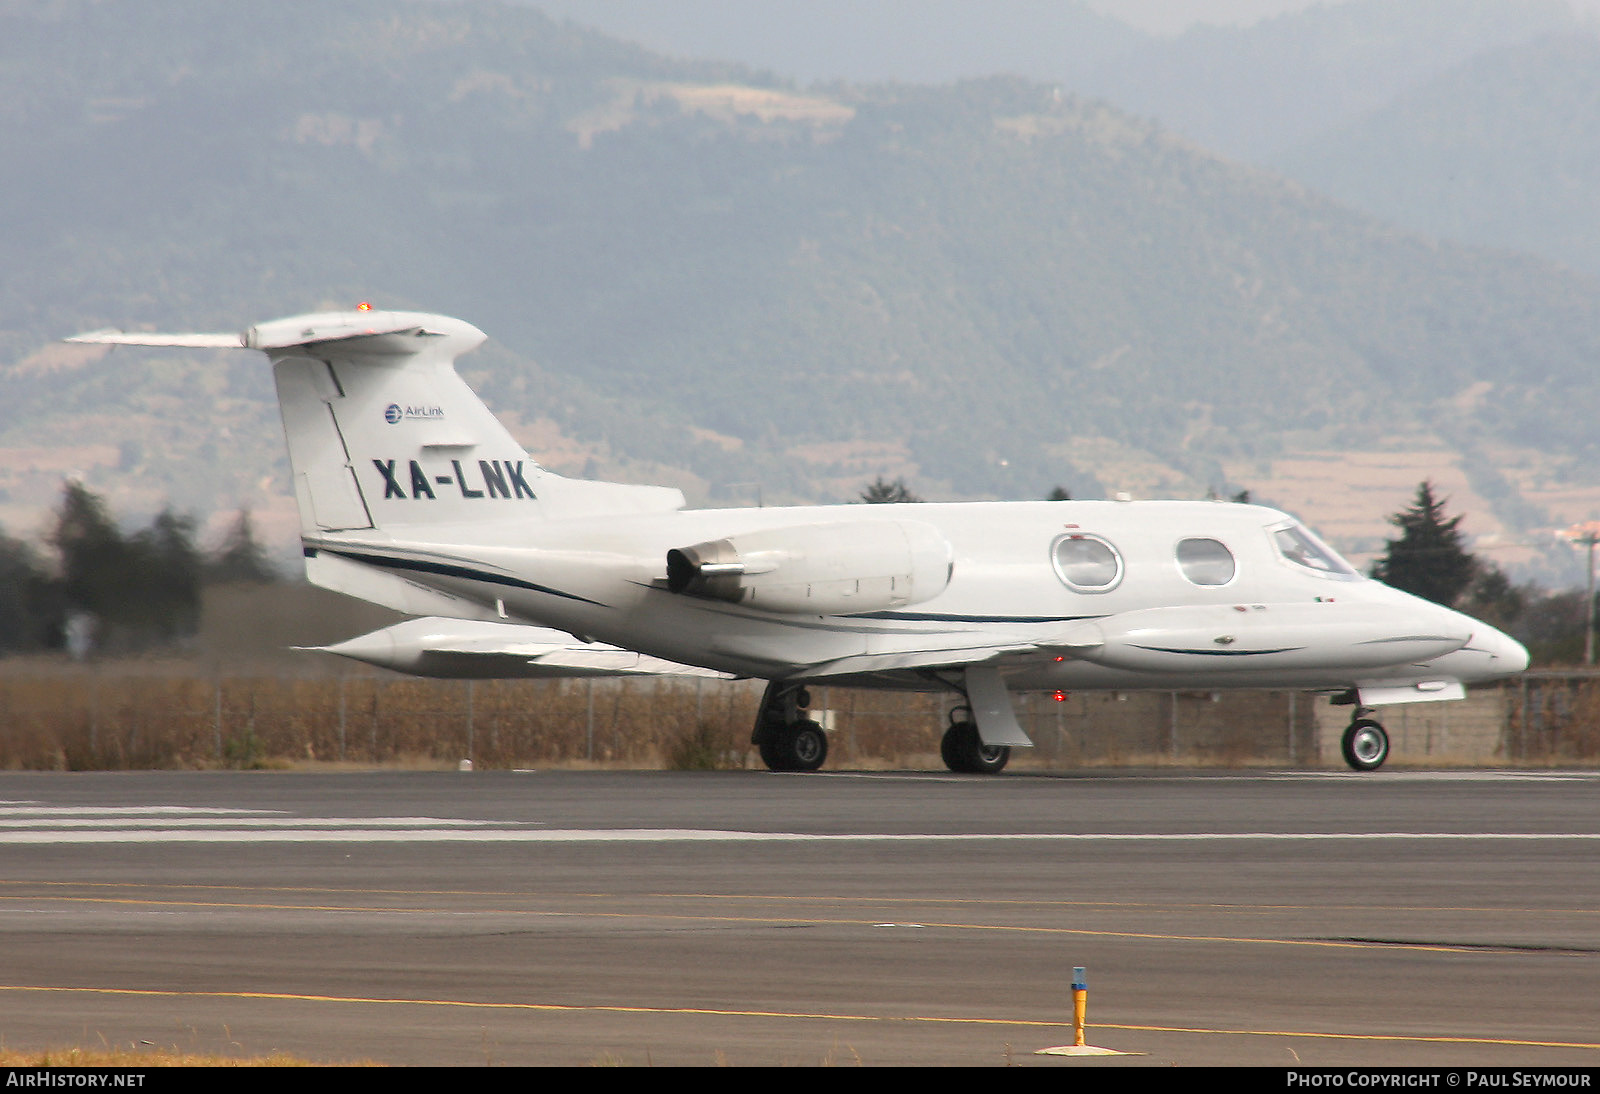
pixel 1250 92
pixel 1441 115
pixel 696 272
pixel 885 41
pixel 1502 151
pixel 1253 92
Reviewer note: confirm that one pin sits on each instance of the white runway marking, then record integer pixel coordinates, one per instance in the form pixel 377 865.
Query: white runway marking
pixel 32 823
pixel 31 809
pixel 427 830
pixel 233 822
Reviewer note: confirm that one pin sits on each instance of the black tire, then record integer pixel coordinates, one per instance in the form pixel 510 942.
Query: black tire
pixel 771 748
pixel 800 746
pixel 1365 745
pixel 963 751
pixel 808 746
pixel 952 749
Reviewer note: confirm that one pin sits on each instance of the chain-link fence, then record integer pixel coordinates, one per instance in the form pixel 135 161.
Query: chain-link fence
pixel 71 717
pixel 1554 718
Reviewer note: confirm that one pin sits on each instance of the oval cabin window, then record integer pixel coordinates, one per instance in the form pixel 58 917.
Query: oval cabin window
pixel 1086 563
pixel 1206 561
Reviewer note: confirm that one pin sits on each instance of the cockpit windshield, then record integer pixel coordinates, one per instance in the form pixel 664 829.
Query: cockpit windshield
pixel 1299 546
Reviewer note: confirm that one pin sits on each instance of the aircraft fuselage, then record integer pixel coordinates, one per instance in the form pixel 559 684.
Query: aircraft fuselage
pixel 1193 595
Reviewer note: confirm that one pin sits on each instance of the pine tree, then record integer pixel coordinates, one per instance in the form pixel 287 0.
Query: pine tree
pixel 886 493
pixel 168 566
pixel 1428 560
pixel 137 589
pixel 241 557
pixel 94 557
pixel 31 603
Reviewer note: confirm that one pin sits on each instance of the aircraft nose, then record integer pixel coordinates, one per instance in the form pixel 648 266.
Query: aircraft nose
pixel 1509 656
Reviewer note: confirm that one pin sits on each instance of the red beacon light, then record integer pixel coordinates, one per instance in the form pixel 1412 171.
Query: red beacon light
pixel 364 306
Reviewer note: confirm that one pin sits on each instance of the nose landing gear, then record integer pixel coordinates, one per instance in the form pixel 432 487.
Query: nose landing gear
pixel 1365 743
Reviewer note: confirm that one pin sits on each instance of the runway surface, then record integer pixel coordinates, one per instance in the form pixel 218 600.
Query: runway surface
pixel 1416 918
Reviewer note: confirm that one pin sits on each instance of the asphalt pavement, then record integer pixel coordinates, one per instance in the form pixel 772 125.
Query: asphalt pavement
pixel 1281 919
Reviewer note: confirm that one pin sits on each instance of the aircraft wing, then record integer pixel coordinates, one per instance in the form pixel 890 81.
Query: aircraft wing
pixel 473 649
pixel 906 660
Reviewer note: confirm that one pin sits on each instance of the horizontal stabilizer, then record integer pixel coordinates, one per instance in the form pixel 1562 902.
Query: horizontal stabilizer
pixel 142 338
pixel 349 333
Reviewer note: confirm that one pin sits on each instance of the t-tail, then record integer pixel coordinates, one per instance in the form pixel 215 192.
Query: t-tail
pixel 387 444
pixel 384 434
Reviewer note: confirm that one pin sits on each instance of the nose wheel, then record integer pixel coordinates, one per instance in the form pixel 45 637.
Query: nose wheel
pixel 1365 744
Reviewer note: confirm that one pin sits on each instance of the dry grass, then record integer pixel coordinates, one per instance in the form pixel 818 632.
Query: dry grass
pixel 147 715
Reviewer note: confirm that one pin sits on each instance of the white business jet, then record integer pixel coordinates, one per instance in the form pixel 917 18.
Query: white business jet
pixel 412 495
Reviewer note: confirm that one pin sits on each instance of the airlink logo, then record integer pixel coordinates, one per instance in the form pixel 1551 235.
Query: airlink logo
pixel 394 413
pixel 497 478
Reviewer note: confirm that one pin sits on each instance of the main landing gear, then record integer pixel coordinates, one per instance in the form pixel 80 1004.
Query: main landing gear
pixel 788 740
pixel 785 737
pixel 963 750
pixel 1365 743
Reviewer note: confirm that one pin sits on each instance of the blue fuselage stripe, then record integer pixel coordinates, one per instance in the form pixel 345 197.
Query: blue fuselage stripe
pixel 447 569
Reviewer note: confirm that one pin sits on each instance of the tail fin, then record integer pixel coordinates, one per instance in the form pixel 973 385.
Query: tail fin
pixel 383 433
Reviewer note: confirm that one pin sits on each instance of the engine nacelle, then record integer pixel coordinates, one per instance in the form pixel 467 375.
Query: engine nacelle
pixel 818 569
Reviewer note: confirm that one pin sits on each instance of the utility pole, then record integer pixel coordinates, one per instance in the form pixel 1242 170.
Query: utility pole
pixel 1587 535
pixel 1588 630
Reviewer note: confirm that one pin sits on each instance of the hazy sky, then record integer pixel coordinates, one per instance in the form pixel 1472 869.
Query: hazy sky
pixel 1161 16
pixel 1174 15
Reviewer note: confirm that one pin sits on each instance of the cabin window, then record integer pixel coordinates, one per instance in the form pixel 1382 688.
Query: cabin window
pixel 1206 561
pixel 1305 550
pixel 1086 563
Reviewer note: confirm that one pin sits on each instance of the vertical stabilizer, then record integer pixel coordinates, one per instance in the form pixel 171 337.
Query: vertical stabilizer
pixel 383 433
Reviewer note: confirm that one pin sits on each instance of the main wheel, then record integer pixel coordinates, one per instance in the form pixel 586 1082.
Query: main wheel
pixel 1365 745
pixel 771 748
pixel 808 746
pixel 799 746
pixel 963 750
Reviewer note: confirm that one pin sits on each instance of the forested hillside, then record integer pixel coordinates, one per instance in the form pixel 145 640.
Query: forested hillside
pixel 986 287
